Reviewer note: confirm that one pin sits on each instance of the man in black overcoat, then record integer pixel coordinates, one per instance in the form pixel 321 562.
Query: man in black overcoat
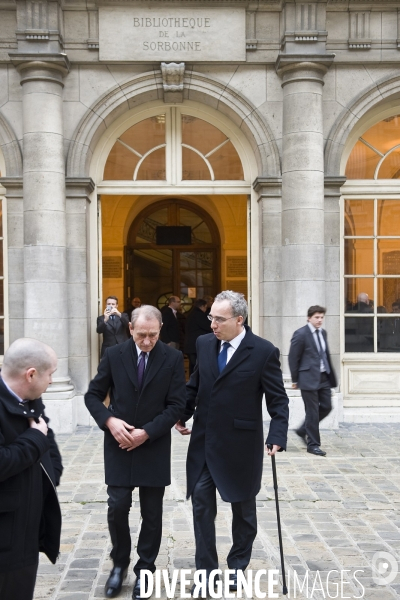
pixel 30 468
pixel 113 325
pixel 146 380
pixel 197 323
pixel 226 451
pixel 312 373
pixel 171 331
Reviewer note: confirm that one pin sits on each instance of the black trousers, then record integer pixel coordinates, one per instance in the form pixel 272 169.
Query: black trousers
pixel 244 526
pixel 18 584
pixel 151 505
pixel 318 405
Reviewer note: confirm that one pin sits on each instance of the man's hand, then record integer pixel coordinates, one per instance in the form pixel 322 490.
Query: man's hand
pixel 274 450
pixel 120 430
pixel 42 425
pixel 107 314
pixel 183 430
pixel 137 438
pixel 294 386
pixel 115 311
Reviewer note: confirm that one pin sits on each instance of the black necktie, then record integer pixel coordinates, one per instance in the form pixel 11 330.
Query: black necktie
pixel 141 368
pixel 222 356
pixel 322 353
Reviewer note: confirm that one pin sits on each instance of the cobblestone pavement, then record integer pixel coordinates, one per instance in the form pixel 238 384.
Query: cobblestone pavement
pixel 337 512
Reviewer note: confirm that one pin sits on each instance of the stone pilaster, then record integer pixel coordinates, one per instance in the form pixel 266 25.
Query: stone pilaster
pixel 78 281
pixel 270 216
pixel 15 228
pixel 332 264
pixel 303 262
pixel 45 283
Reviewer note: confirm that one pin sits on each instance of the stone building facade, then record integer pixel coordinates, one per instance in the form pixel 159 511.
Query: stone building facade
pixel 268 130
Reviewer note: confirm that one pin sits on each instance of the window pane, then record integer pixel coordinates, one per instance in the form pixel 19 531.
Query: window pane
pixel 193 166
pixel 226 163
pixel 388 334
pixel 206 138
pixel 152 274
pixel 390 167
pixel 141 137
pixel 205 260
pixel 359 257
pixel 359 217
pixel 153 167
pixel 362 162
pixel 385 134
pixel 388 217
pixel 359 295
pixel 204 278
pixel 359 334
pixel 389 257
pixel 388 293
pixel 201 135
pixel 188 260
pixel 147 228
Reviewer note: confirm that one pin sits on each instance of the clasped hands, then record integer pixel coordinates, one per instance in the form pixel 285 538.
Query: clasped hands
pixel 127 436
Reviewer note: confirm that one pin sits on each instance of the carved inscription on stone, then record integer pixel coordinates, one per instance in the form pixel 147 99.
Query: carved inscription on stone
pixel 112 267
pixel 171 34
pixel 236 266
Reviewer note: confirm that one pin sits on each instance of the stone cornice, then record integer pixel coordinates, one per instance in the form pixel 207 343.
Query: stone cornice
pixel 56 61
pixel 79 187
pixel 268 187
pixel 286 62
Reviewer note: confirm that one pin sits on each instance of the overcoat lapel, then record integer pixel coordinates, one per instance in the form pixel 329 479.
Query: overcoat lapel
pixel 127 358
pixel 312 340
pixel 213 357
pixel 156 359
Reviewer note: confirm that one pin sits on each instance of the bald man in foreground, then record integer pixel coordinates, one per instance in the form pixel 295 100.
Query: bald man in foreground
pixel 30 468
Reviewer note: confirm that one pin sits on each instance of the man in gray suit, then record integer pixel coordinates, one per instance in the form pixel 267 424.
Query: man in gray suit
pixel 312 373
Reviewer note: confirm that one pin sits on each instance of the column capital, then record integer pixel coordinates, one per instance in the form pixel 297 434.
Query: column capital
pixel 292 67
pixel 13 186
pixel 268 187
pixel 333 183
pixel 79 187
pixel 41 66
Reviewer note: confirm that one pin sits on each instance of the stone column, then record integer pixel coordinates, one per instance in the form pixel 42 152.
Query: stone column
pixel 45 282
pixel 303 263
pixel 270 216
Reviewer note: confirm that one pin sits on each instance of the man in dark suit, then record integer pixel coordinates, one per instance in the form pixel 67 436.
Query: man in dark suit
pixel 30 468
pixel 146 380
pixel 234 369
pixel 312 373
pixel 170 331
pixel 197 324
pixel 113 325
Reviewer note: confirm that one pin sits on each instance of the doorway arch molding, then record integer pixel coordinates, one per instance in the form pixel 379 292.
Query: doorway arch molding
pixel 370 106
pixel 146 88
pixel 10 149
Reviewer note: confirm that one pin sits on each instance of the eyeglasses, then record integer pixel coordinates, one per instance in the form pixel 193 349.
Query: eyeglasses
pixel 219 319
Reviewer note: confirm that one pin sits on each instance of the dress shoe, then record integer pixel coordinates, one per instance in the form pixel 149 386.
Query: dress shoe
pixel 317 451
pixel 301 435
pixel 114 582
pixel 136 588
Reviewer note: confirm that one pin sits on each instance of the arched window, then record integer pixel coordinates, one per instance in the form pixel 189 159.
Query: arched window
pixel 198 151
pixel 376 154
pixel 172 248
pixel 372 244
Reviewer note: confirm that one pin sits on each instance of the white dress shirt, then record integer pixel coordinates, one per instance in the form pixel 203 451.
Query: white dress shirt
pixel 321 339
pixel 235 343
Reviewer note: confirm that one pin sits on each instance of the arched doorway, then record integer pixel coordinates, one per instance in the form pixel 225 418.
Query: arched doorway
pixel 173 247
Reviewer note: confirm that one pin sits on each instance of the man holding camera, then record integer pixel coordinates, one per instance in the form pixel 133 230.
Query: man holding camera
pixel 113 325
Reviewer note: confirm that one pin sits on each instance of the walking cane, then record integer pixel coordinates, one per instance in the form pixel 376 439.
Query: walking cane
pixel 278 518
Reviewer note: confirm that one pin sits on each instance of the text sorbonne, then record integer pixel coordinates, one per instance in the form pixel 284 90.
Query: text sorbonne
pixel 334 584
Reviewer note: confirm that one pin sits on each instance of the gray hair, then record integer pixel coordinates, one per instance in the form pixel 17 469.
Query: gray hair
pixel 27 353
pixel 147 312
pixel 236 300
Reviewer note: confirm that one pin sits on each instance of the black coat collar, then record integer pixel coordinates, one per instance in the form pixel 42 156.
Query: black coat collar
pixel 32 408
